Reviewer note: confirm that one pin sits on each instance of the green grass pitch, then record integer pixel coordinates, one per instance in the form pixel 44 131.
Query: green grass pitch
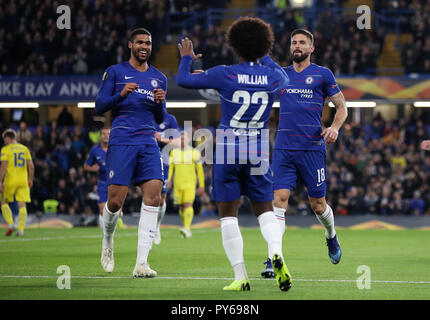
pixel 197 268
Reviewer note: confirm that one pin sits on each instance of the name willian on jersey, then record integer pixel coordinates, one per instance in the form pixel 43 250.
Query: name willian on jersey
pixel 252 79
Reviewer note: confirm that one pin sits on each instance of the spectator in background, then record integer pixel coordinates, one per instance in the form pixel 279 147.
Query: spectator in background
pixel 417 204
pixel 398 205
pixel 65 118
pixel 371 202
pixel 24 135
pixel 88 219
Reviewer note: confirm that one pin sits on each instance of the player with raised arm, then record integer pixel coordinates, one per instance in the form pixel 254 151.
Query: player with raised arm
pixel 17 170
pixel 134 91
pixel 300 146
pixel 165 135
pixel 247 92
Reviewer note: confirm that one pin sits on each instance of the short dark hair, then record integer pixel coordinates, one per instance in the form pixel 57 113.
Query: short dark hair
pixel 305 32
pixel 251 38
pixel 10 133
pixel 137 31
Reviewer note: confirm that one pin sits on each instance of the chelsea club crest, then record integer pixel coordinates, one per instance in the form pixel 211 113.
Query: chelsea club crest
pixel 309 80
pixel 154 83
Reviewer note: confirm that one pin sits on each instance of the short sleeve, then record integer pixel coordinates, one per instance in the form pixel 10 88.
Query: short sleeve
pixel 3 156
pixel 27 154
pixel 90 161
pixel 330 85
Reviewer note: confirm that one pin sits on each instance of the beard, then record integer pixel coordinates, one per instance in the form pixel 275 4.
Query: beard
pixel 138 58
pixel 300 58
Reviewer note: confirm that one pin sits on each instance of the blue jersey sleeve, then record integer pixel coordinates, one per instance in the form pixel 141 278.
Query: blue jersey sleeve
pixel 204 80
pixel 159 112
pixel 282 76
pixel 106 98
pixel 173 122
pixel 330 86
pixel 91 158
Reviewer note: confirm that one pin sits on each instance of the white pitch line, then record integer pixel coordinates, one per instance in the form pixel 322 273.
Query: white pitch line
pixel 63 238
pixel 206 278
pixel 93 236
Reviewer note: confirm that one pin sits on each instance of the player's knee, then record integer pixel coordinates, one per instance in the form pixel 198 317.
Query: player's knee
pixel 114 205
pixel 152 200
pixel 318 207
pixel 280 201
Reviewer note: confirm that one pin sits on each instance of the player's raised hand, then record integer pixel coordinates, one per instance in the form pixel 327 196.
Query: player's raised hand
pixel 186 48
pixel 129 88
pixel 330 135
pixel 159 95
pixel 425 145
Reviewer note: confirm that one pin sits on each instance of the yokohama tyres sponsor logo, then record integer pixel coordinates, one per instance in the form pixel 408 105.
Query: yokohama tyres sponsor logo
pixel 301 91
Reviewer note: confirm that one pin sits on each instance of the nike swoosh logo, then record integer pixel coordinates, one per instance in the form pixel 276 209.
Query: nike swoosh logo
pixel 319 184
pixel 128 77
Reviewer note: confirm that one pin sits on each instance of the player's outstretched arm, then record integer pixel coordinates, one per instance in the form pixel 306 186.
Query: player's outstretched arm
pixel 203 80
pixel 267 61
pixel 331 133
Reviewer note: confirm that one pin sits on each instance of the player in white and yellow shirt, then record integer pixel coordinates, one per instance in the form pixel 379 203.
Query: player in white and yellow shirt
pixel 185 168
pixel 17 170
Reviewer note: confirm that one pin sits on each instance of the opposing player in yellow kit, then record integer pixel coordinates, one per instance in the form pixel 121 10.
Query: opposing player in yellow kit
pixel 185 167
pixel 17 170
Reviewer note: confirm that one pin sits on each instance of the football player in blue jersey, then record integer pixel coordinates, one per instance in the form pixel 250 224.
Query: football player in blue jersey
pixel 167 132
pixel 247 92
pixel 300 146
pixel 135 93
pixel 96 162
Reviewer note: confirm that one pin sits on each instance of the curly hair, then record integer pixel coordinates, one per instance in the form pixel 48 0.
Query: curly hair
pixel 250 38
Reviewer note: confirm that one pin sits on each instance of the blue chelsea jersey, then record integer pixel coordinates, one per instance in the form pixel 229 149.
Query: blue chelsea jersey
pixel 133 117
pixel 247 91
pixel 98 156
pixel 169 122
pixel 301 106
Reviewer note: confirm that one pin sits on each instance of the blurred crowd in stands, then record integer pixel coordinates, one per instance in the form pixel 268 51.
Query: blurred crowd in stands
pixel 100 29
pixel 373 169
pixel 377 168
pixel 416 49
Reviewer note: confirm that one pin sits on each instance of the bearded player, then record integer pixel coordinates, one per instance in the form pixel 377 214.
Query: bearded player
pixel 300 147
